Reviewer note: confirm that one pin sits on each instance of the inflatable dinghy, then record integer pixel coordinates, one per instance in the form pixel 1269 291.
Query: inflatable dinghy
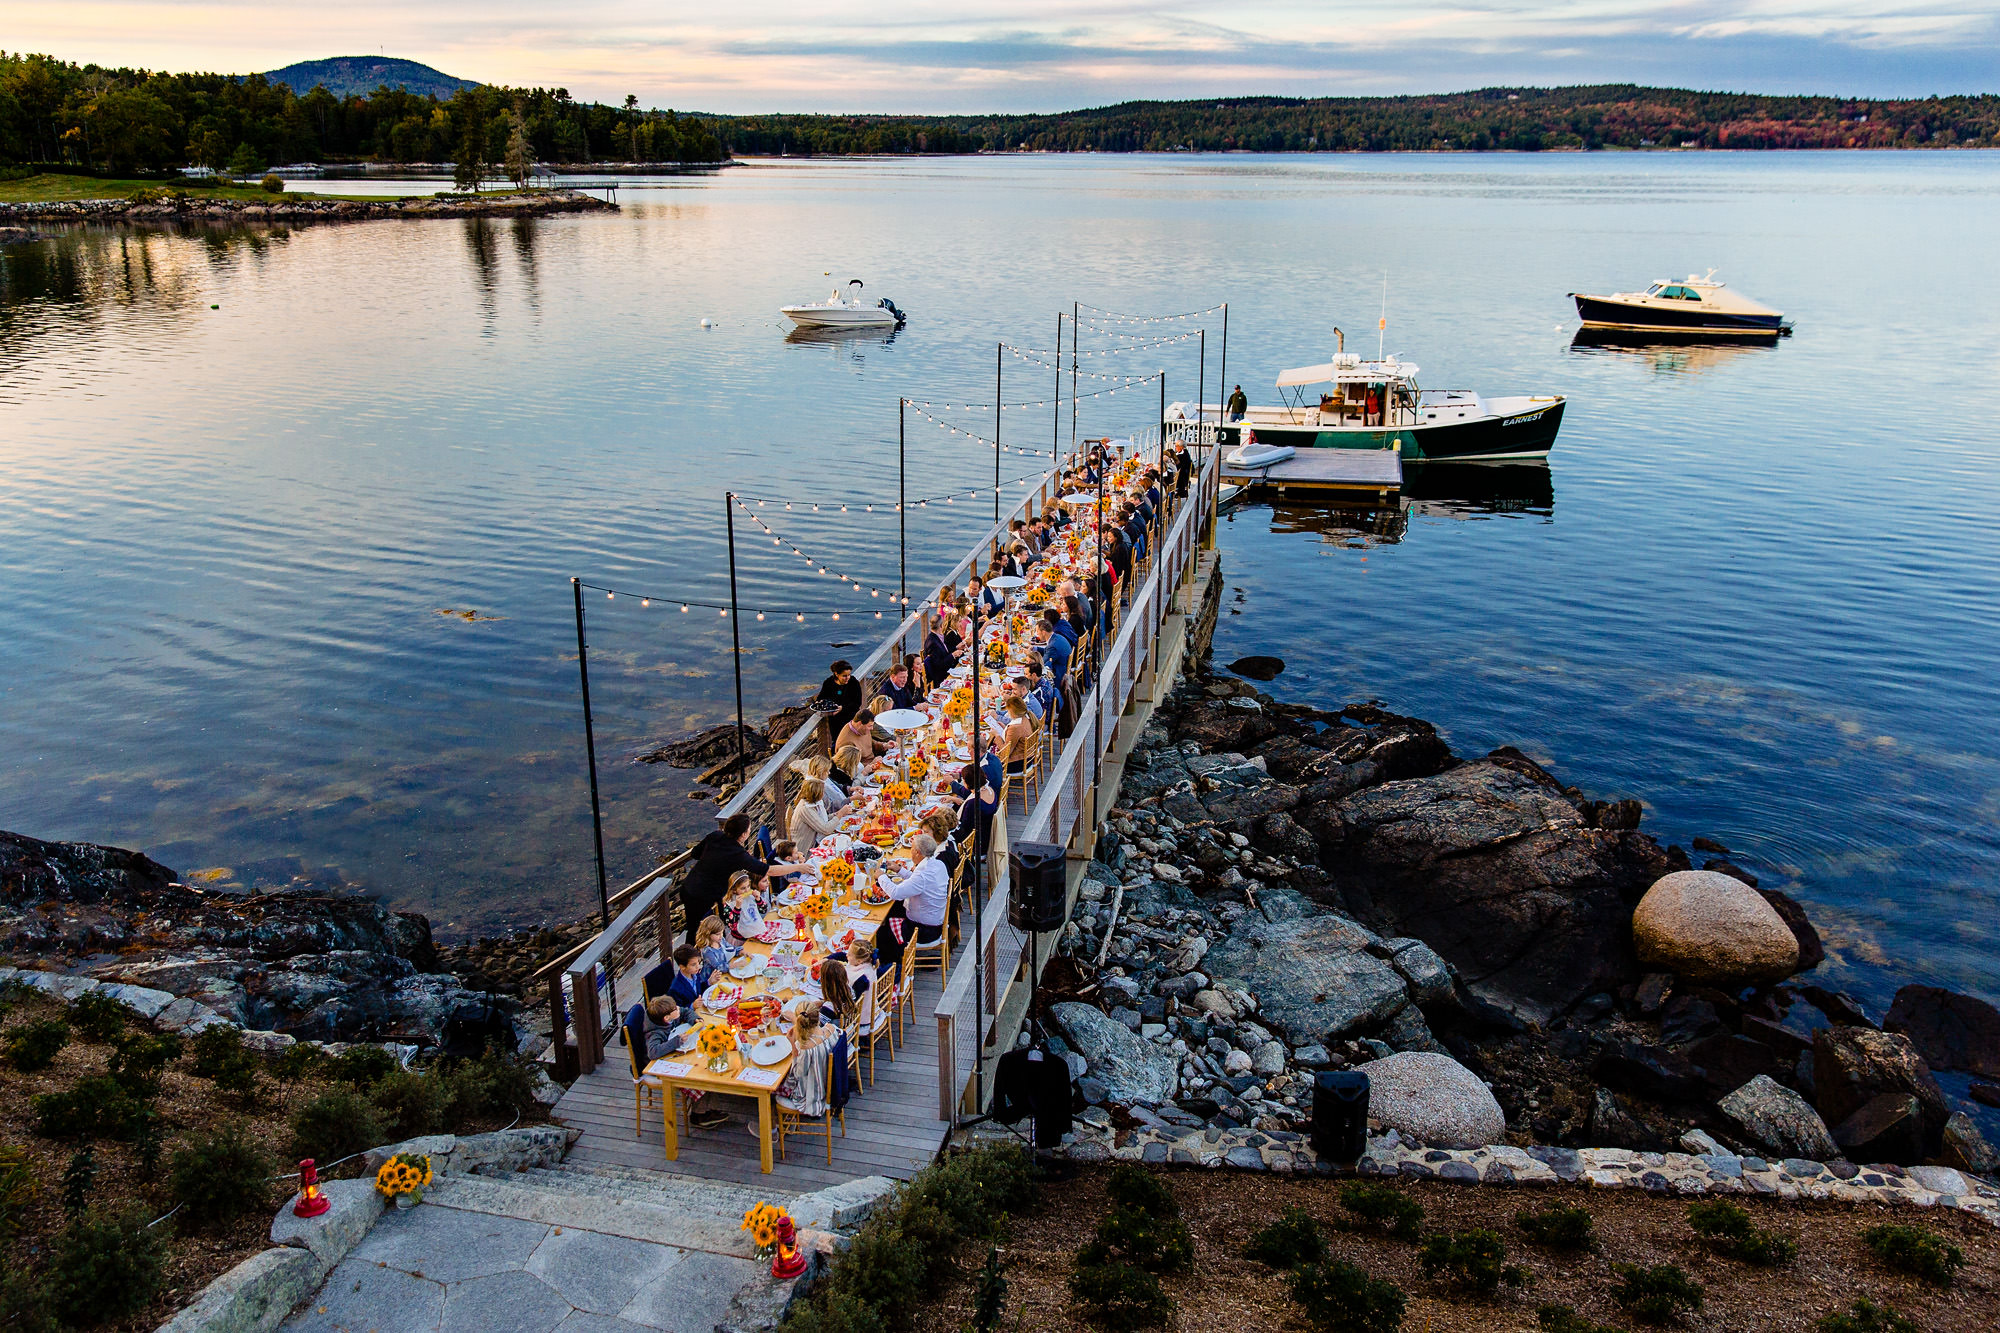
pixel 1252 454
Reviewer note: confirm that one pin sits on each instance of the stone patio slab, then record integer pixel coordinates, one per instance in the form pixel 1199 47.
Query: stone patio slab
pixel 598 1273
pixel 450 1245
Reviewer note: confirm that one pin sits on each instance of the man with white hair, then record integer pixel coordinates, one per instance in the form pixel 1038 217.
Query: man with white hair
pixel 922 899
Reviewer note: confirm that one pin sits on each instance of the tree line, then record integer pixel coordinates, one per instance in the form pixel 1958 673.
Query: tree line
pixel 87 116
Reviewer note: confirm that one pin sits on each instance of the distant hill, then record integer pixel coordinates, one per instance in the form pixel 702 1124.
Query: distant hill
pixel 358 76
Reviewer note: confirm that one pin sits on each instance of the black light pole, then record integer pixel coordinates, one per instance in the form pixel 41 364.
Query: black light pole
pixel 1074 308
pixel 978 873
pixel 590 747
pixel 902 509
pixel 1097 662
pixel 1201 380
pixel 1055 417
pixel 1222 379
pixel 999 360
pixel 735 644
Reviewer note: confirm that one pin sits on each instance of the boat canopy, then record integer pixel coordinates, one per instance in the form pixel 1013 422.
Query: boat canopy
pixel 1348 368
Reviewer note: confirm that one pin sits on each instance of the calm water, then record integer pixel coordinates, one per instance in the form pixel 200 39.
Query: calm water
pixel 243 472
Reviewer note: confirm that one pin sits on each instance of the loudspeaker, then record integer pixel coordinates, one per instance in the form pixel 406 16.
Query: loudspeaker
pixel 1036 885
pixel 1340 1114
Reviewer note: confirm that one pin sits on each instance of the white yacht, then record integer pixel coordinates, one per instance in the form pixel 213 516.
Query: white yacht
pixel 1694 305
pixel 845 311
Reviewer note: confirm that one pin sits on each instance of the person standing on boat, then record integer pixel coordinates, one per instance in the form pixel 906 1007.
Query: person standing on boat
pixel 1238 404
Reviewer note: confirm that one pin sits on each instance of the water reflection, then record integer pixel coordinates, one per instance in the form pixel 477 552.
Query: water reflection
pixel 1671 353
pixel 1465 491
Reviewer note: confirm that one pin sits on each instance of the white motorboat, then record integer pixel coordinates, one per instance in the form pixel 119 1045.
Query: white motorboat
pixel 1695 305
pixel 847 310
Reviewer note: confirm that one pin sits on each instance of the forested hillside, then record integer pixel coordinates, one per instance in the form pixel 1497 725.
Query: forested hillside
pixel 124 120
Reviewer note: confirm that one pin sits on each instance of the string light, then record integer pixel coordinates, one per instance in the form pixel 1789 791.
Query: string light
pixel 1100 313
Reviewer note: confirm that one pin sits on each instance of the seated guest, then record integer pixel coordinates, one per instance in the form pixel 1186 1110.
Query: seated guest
pixel 860 733
pixel 1076 616
pixel 821 768
pixel 975 816
pixel 1055 649
pixel 1018 743
pixel 687 966
pixel 741 911
pixel 1017 686
pixel 718 951
pixel 837 1004
pixel 660 1028
pixel 940 658
pixel 986 599
pixel 1040 686
pixel 860 965
pixel 1058 625
pixel 938 824
pixel 900 690
pixel 884 738
pixel 810 819
pixel 921 899
pixel 782 871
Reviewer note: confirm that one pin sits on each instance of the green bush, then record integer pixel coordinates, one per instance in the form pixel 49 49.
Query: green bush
pixel 1728 1230
pixel 272 184
pixel 298 1061
pixel 364 1066
pixel 1341 1298
pixel 978 1190
pixel 989 1294
pixel 97 1016
pixel 334 1125
pixel 1657 1295
pixel 836 1312
pixel 1475 1259
pixel 492 1087
pixel 1913 1250
pixel 78 1179
pixel 1136 1187
pixel 1156 1244
pixel 1865 1316
pixel 1292 1240
pixel 138 1060
pixel 410 1103
pixel 1562 1319
pixel 219 1055
pixel 17 1193
pixel 24 1301
pixel 97 1107
pixel 220 1176
pixel 105 1268
pixel 1120 1296
pixel 1375 1204
pixel 33 1046
pixel 1559 1227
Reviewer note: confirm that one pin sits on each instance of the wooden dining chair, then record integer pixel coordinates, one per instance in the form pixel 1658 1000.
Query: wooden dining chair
pixel 645 1088
pixel 875 1023
pixel 1030 774
pixel 795 1122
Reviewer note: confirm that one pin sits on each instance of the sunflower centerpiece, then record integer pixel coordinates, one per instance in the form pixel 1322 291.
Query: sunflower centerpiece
pixel 403 1178
pixel 836 875
pixel 718 1043
pixel 897 793
pixel 920 766
pixel 772 1232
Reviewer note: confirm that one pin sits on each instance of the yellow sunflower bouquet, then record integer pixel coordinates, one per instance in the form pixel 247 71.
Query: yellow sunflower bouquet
pixel 837 874
pixel 897 792
pixel 762 1224
pixel 403 1178
pixel 718 1043
pixel 818 907
pixel 920 768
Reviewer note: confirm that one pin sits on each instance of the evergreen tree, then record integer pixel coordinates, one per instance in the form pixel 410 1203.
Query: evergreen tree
pixel 520 157
pixel 471 164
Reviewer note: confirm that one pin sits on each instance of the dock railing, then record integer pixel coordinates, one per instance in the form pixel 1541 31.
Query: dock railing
pixel 988 980
pixel 582 985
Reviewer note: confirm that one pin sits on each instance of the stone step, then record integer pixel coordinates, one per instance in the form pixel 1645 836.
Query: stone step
pixel 565 1205
pixel 696 1198
pixel 662 1180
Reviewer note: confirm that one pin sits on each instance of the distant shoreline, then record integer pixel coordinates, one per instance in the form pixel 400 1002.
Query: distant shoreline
pixel 196 208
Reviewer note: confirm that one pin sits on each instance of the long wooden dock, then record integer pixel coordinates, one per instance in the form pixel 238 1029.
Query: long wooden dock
pixel 1377 470
pixel 963 1022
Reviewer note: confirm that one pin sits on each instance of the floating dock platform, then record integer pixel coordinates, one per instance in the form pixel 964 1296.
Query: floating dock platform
pixel 1376 470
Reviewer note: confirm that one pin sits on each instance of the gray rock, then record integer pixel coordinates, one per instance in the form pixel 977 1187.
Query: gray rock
pixel 1889 1127
pixel 1214 1002
pixel 1093 1091
pixel 1312 976
pixel 1852 1065
pixel 1430 977
pixel 1435 1099
pixel 1129 1068
pixel 1779 1119
pixel 1189 955
pixel 1407 1031
pixel 253 1297
pixel 1313 1056
pixel 1700 1144
pixel 141 1000
pixel 1712 928
pixel 355 1206
pixel 1943 1179
pixel 1236 1063
pixel 1966 1148
pixel 1269 1060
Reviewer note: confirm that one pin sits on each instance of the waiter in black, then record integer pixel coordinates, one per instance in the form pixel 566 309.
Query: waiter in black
pixel 839 698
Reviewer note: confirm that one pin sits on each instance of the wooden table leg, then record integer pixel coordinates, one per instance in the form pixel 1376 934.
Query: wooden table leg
pixel 764 1131
pixel 669 1114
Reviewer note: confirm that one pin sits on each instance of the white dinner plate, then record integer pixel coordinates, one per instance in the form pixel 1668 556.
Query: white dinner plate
pixel 748 966
pixel 770 1051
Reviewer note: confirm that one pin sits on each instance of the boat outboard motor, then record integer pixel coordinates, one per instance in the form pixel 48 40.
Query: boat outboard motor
pixel 890 306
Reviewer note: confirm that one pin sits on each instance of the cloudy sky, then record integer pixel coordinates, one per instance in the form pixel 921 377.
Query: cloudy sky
pixel 980 55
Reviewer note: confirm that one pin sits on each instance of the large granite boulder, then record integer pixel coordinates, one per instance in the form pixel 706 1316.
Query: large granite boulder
pixel 1779 1120
pixel 1494 866
pixel 1712 928
pixel 1949 1030
pixel 1131 1069
pixel 34 872
pixel 1312 974
pixel 1888 1128
pixel 1435 1099
pixel 1852 1066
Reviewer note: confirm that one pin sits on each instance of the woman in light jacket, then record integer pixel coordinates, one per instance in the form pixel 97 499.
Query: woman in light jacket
pixel 810 819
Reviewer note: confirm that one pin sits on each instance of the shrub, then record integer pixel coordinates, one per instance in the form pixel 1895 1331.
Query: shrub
pixel 97 1107
pixel 977 1190
pixel 105 1268
pixel 17 1192
pixel 1728 1230
pixel 410 1103
pixel 1157 1244
pixel 219 1055
pixel 1120 1296
pixel 1294 1239
pixel 24 1301
pixel 272 184
pixel 1559 1227
pixel 78 1178
pixel 32 1046
pixel 836 1312
pixel 1913 1250
pixel 364 1066
pixel 334 1125
pixel 1656 1295
pixel 138 1060
pixel 1377 1204
pixel 220 1176
pixel 1342 1298
pixel 1865 1316
pixel 1135 1187
pixel 490 1087
pixel 1562 1319
pixel 1475 1259
pixel 989 1294
pixel 97 1016
pixel 298 1061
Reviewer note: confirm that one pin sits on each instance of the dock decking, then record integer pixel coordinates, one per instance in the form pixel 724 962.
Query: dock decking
pixel 1325 469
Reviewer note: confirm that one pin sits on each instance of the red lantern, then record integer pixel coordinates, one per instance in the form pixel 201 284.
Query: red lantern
pixel 311 1202
pixel 787 1262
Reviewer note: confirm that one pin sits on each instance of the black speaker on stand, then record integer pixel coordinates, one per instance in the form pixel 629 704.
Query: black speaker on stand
pixel 1340 1114
pixel 1037 885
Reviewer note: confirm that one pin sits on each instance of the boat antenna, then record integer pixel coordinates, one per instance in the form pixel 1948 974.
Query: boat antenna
pixel 1382 324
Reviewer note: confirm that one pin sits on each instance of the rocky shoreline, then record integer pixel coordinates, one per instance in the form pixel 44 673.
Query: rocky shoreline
pixel 195 208
pixel 1282 889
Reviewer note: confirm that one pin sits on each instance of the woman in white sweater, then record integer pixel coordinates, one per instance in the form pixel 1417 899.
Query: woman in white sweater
pixel 811 820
